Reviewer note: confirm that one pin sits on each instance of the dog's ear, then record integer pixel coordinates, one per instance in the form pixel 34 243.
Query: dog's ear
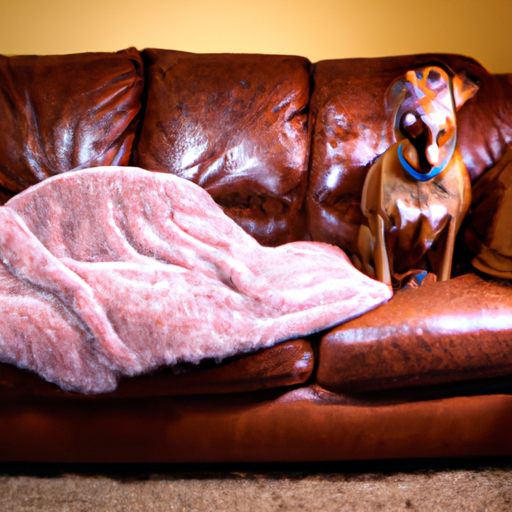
pixel 395 95
pixel 394 107
pixel 464 88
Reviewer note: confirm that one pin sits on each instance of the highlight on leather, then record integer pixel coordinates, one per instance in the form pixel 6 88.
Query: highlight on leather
pixel 237 126
pixel 60 113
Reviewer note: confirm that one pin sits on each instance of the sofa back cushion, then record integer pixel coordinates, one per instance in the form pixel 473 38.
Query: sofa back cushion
pixel 237 126
pixel 488 232
pixel 66 112
pixel 352 126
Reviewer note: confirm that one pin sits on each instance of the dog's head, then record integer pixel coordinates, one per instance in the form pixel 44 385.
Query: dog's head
pixel 429 98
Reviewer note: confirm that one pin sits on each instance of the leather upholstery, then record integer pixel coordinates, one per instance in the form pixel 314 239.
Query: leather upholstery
pixel 66 112
pixel 415 340
pixel 237 126
pixel 351 127
pixel 285 364
pixel 303 425
pixel 488 231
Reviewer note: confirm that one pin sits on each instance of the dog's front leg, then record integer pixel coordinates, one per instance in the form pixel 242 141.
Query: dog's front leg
pixel 380 254
pixel 445 269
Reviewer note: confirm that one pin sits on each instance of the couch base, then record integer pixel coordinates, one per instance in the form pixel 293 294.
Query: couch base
pixel 296 426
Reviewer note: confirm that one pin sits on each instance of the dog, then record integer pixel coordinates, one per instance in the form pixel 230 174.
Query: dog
pixel 417 193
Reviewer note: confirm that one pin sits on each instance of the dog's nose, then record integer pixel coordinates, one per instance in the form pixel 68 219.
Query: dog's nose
pixel 409 119
pixel 433 154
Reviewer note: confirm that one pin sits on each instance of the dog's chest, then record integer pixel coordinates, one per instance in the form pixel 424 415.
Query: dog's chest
pixel 408 203
pixel 416 212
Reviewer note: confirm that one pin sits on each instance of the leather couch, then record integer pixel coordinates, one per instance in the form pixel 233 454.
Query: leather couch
pixel 283 145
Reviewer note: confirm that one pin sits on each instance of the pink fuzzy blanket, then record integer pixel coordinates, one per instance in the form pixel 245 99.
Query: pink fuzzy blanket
pixel 118 271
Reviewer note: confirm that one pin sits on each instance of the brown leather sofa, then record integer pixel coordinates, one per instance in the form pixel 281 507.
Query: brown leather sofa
pixel 283 145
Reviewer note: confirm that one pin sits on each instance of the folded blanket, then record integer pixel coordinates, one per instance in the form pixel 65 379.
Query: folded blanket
pixel 118 271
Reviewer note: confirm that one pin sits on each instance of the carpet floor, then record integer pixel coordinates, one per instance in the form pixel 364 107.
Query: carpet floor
pixel 464 485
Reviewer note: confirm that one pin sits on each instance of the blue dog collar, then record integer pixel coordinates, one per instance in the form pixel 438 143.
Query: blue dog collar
pixel 418 175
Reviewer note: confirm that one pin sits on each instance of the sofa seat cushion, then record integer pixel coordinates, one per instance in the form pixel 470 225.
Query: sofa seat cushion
pixel 115 271
pixel 237 126
pixel 285 364
pixel 443 332
pixel 65 112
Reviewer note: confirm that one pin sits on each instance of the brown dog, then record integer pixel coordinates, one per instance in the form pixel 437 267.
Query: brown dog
pixel 416 194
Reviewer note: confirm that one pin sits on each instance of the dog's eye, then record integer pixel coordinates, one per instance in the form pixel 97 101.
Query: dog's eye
pixel 433 76
pixel 419 75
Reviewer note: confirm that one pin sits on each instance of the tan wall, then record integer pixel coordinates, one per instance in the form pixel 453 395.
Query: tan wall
pixel 319 29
